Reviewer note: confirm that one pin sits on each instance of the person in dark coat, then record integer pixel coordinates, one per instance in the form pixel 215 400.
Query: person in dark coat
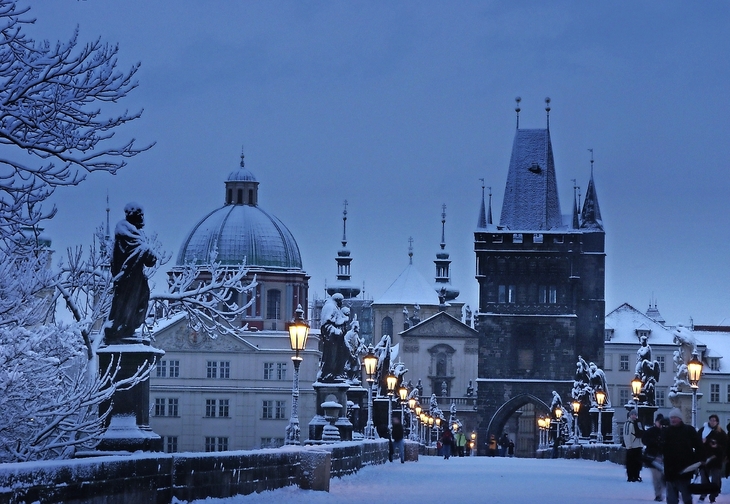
pixel 714 440
pixel 398 443
pixel 503 444
pixel 653 455
pixel 680 447
pixel 447 441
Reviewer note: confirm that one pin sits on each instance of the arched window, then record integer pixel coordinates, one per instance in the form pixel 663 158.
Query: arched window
pixel 240 197
pixel 273 304
pixel 387 326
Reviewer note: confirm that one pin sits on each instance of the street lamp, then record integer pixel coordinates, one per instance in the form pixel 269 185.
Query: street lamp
pixel 473 444
pixel 298 332
pixel 636 385
pixel 391 381
pixel 600 400
pixel 576 410
pixel 403 393
pixel 370 361
pixel 694 371
pixel 542 424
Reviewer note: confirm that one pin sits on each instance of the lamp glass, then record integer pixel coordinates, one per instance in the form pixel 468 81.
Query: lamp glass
pixel 558 412
pixel 391 381
pixel 298 331
pixel 371 364
pixel 694 371
pixel 418 410
pixel 403 393
pixel 576 407
pixel 600 397
pixel 636 386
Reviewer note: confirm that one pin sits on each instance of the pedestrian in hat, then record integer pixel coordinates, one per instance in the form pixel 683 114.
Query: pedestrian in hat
pixel 653 456
pixel 681 447
pixel 632 440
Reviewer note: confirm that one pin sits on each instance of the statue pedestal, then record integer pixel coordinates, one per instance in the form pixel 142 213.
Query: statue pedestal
pixel 128 425
pixel 359 414
pixel 606 424
pixel 646 415
pixel 328 393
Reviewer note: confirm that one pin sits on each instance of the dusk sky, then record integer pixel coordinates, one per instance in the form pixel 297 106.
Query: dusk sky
pixel 400 107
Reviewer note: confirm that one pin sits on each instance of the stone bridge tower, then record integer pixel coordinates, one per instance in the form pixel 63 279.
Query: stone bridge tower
pixel 541 288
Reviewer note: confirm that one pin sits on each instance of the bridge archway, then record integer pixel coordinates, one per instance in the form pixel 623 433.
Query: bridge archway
pixel 500 418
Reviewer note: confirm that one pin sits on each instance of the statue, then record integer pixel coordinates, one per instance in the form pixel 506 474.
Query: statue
pixel 581 382
pixel 334 350
pixel 467 315
pixel 132 253
pixel 597 380
pixel 356 347
pixel 444 389
pixel 419 386
pixel 382 351
pixel 648 371
pixel 469 390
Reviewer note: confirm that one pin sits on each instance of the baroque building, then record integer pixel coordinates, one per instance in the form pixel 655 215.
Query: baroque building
pixel 541 291
pixel 234 392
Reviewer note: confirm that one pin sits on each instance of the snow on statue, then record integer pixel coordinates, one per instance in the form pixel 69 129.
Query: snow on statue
pixel 334 350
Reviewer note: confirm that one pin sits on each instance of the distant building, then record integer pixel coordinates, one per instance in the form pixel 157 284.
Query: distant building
pixel 234 392
pixel 541 292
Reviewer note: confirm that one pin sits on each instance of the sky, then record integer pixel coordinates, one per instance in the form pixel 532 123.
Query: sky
pixel 470 479
pixel 400 107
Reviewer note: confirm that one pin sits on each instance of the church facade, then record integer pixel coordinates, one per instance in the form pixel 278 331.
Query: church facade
pixel 541 290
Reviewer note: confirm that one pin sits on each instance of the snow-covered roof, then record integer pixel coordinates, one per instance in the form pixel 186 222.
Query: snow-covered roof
pixel 718 345
pixel 409 288
pixel 625 320
pixel 531 196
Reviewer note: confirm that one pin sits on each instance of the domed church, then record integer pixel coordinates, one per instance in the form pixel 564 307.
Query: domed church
pixel 241 231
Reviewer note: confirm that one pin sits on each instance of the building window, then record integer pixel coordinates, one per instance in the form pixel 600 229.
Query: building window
pixel 517 238
pixel 714 363
pixel 273 304
pixel 268 370
pixel 267 411
pixel 170 444
pixel 525 358
pixel 497 238
pixel 728 393
pixel 215 369
pixel 212 369
pixel 172 407
pixel 660 397
pixel 624 395
pixel 159 406
pixel 280 411
pixel 210 408
pixel 216 444
pixel 558 239
pixel 553 291
pixel 662 363
pixel 507 294
pixel 502 294
pixel 537 238
pixel 714 392
pixel 281 370
pixel 387 326
pixel 223 408
pixel 174 369
pixel 623 363
pixel 225 369
pixel 607 335
pixel 161 369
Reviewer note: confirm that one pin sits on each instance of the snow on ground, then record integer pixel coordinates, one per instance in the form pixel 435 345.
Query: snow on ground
pixel 475 479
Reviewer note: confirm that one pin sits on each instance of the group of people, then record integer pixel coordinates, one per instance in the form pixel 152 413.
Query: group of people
pixel 449 443
pixel 673 451
pixel 504 446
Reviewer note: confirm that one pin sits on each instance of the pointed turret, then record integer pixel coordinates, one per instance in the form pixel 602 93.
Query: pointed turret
pixel 343 285
pixel 482 220
pixel 590 218
pixel 531 196
pixel 443 275
pixel 576 208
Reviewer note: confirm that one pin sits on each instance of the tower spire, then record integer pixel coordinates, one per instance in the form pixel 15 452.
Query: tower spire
pixel 482 220
pixel 517 110
pixel 547 111
pixel 242 156
pixel 442 262
pixel 443 226
pixel 410 250
pixel 489 215
pixel 344 226
pixel 576 220
pixel 343 284
pixel 590 217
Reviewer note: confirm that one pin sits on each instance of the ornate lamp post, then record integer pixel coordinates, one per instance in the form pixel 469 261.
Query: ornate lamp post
pixel 403 394
pixel 636 385
pixel 391 380
pixel 541 424
pixel 370 361
pixel 576 410
pixel 430 429
pixel 298 332
pixel 694 371
pixel 473 445
pixel 600 400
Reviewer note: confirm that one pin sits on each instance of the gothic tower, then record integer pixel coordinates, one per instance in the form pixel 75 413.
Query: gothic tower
pixel 541 288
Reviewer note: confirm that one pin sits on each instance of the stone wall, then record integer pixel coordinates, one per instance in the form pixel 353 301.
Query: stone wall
pixel 158 477
pixel 598 452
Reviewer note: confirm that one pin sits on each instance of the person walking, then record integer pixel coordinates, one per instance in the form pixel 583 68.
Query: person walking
pixel 652 441
pixel 714 440
pixel 632 440
pixel 447 441
pixel 398 443
pixel 460 441
pixel 511 449
pixel 680 448
pixel 492 445
pixel 503 444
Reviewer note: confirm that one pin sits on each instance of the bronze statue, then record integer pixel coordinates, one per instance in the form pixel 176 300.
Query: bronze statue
pixel 131 292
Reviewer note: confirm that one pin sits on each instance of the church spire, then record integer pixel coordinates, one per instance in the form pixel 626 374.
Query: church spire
pixel 442 262
pixel 343 284
pixel 489 215
pixel 591 214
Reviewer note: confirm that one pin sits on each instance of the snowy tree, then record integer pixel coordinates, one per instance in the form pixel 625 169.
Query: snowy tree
pixel 50 104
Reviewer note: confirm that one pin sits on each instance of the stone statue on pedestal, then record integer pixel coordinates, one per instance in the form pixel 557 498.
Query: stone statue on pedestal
pixel 334 349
